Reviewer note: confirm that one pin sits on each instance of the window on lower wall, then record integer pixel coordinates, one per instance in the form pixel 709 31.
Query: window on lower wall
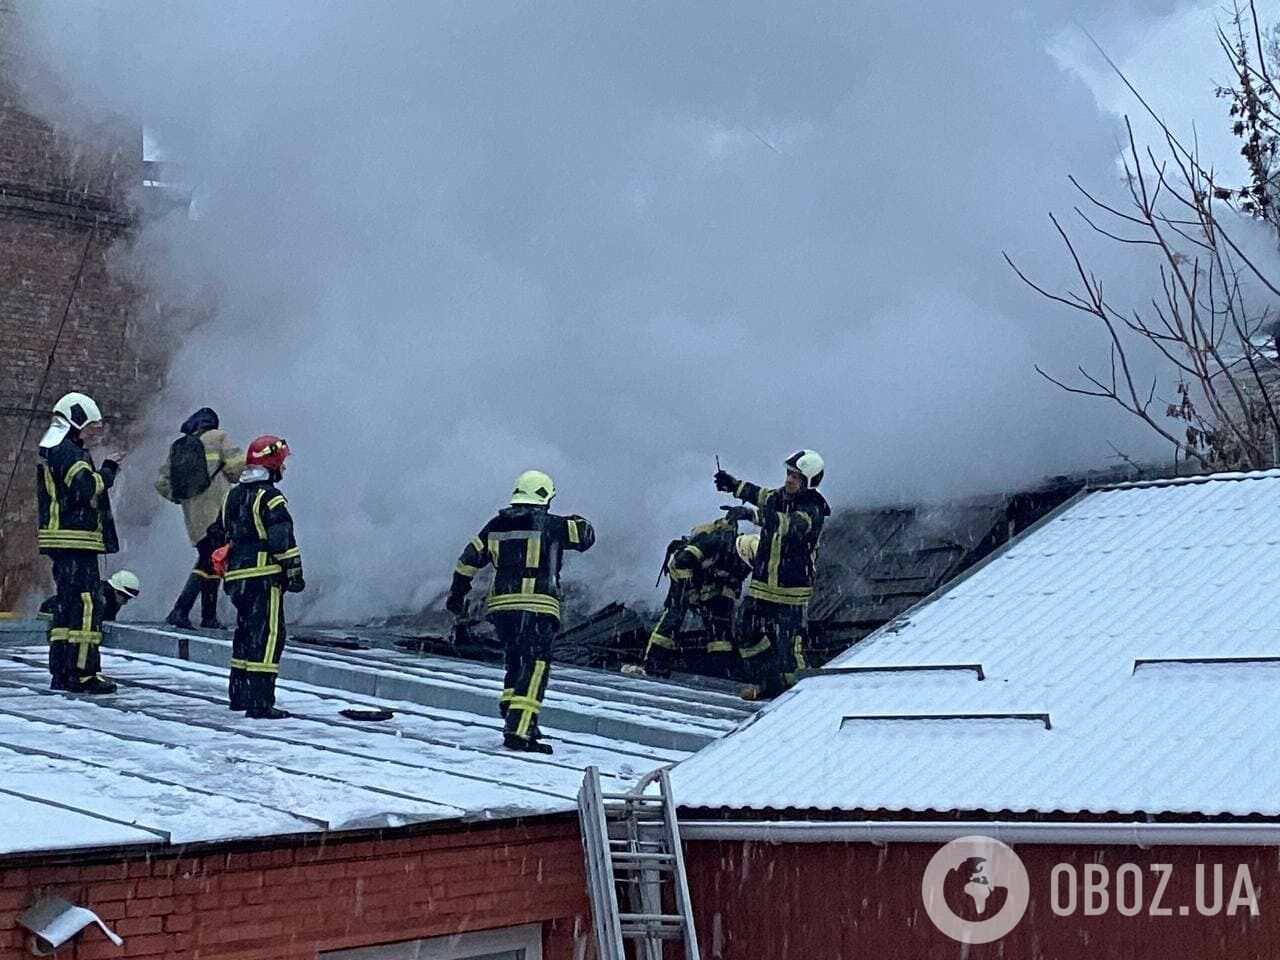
pixel 509 943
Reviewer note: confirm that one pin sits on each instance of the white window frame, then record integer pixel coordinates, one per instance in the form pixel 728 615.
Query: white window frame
pixel 458 946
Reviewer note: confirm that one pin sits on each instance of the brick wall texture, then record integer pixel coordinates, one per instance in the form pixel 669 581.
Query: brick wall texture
pixel 294 902
pixel 62 212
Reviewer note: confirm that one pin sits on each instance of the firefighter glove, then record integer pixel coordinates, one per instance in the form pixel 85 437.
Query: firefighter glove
pixel 734 514
pixel 726 482
pixel 456 604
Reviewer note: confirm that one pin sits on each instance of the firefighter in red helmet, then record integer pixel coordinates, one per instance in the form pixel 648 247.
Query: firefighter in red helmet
pixel 262 564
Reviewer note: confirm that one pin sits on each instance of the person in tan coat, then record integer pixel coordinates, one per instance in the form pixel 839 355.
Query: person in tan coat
pixel 199 470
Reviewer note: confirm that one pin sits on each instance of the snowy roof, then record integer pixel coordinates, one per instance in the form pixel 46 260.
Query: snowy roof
pixel 1120 658
pixel 164 761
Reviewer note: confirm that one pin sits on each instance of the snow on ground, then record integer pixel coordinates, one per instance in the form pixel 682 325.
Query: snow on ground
pixel 165 760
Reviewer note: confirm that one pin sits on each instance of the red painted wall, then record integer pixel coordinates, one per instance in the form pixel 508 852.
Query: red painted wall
pixel 291 902
pixel 758 901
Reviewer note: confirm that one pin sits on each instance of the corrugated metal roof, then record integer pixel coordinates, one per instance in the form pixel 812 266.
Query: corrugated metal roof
pixel 164 761
pixel 1168 570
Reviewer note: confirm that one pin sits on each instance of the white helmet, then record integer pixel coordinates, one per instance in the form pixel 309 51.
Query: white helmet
pixel 809 464
pixel 78 409
pixel 126 582
pixel 747 545
pixel 73 410
pixel 534 487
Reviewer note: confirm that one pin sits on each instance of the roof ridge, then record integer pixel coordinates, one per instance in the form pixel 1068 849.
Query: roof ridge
pixel 1231 476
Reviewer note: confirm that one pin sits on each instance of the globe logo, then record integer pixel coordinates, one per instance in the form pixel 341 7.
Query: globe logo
pixel 975 889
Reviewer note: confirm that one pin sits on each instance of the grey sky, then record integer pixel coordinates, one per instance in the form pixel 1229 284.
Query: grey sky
pixel 450 241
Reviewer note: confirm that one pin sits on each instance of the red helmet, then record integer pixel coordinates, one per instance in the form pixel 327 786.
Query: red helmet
pixel 269 452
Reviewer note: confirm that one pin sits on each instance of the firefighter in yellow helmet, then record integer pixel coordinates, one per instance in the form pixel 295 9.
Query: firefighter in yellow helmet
pixel 774 617
pixel 75 527
pixel 706 570
pixel 525 543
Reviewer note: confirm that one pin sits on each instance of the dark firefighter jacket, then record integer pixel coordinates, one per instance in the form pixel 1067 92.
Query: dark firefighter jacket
pixel 789 531
pixel 255 521
pixel 709 561
pixel 526 546
pixel 73 506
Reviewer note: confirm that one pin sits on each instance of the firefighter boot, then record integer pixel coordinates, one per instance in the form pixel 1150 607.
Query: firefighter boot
pixel 180 615
pixel 209 605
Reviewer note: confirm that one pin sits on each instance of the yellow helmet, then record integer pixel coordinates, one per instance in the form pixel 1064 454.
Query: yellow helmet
pixel 533 487
pixel 747 545
pixel 126 582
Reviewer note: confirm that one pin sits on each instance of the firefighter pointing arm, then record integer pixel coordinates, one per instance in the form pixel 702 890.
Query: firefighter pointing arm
pixel 791 520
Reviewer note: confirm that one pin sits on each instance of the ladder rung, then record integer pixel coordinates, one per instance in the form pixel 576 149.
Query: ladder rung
pixel 651 918
pixel 632 797
pixel 653 933
pixel 634 855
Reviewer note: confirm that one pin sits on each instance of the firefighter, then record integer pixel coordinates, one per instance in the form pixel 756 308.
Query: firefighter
pixel 781 586
pixel 117 590
pixel 197 474
pixel 75 528
pixel 706 571
pixel 262 564
pixel 525 543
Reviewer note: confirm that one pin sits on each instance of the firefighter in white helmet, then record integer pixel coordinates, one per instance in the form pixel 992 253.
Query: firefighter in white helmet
pixel 75 527
pixel 525 543
pixel 706 570
pixel 774 618
pixel 117 590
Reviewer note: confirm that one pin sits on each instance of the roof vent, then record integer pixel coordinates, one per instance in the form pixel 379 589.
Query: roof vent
pixel 1200 661
pixel 1041 718
pixel 839 671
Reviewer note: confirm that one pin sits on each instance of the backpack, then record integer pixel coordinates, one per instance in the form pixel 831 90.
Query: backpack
pixel 188 468
pixel 672 548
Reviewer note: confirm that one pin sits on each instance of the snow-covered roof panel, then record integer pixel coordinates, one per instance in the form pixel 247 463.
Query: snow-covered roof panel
pixel 1141 622
pixel 164 761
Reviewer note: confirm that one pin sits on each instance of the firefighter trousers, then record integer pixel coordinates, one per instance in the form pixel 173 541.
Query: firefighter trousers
pixel 203 583
pixel 773 644
pixel 257 644
pixel 75 636
pixel 527 639
pixel 716 614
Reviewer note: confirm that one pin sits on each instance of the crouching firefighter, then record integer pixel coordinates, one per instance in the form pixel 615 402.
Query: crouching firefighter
pixel 262 564
pixel 781 586
pixel 117 590
pixel 706 571
pixel 75 528
pixel 525 543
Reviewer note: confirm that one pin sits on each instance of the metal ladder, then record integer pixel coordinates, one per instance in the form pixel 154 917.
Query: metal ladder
pixel 635 869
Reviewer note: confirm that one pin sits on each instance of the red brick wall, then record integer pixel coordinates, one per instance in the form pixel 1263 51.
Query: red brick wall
pixel 57 191
pixel 290 903
pixel 760 901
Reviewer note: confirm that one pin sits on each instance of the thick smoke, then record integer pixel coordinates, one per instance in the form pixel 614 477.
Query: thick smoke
pixel 445 242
